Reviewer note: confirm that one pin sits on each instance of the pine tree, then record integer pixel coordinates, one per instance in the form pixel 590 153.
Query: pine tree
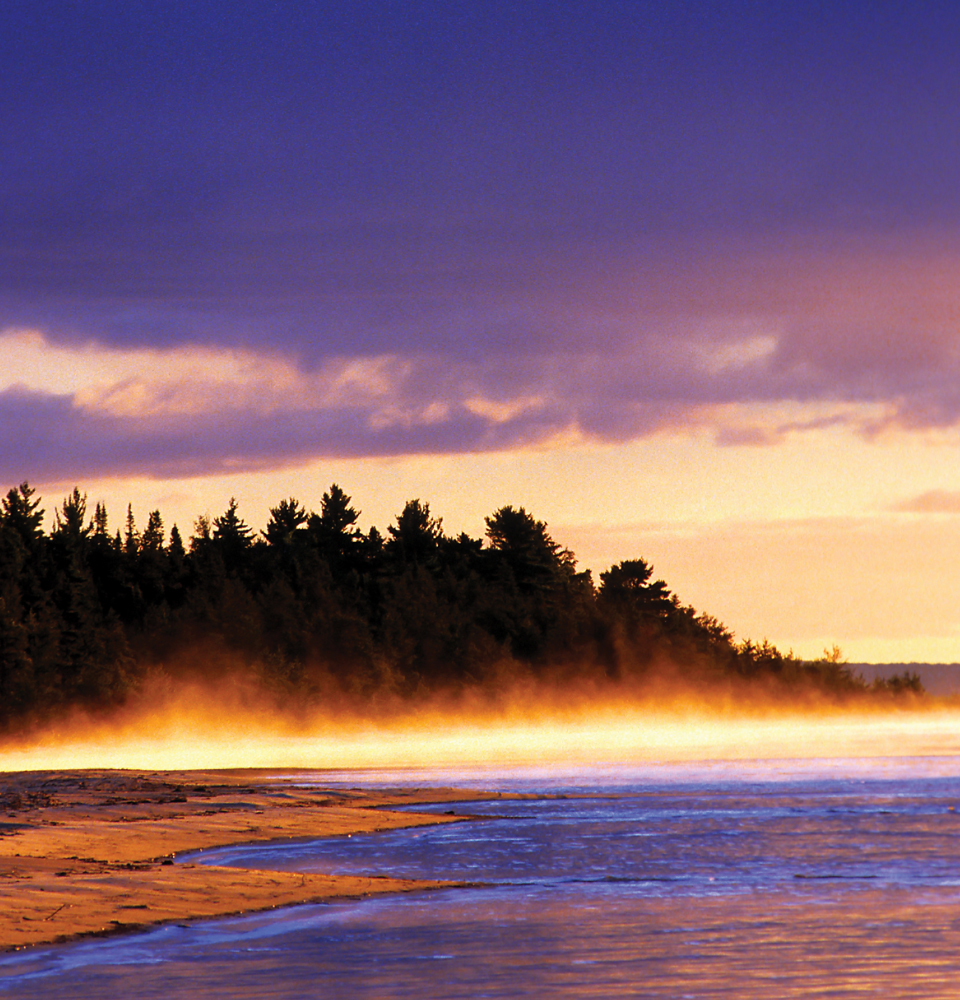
pixel 232 537
pixel 23 514
pixel 285 520
pixel 334 533
pixel 131 537
pixel 416 536
pixel 152 539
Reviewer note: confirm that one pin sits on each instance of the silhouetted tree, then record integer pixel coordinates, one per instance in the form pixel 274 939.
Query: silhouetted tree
pixel 524 546
pixel 416 535
pixel 70 519
pixel 151 542
pixel 315 601
pixel 334 533
pixel 131 537
pixel 541 604
pixel 23 514
pixel 286 519
pixel 232 537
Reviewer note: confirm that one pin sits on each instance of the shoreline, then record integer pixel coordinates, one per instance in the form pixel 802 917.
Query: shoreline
pixel 91 852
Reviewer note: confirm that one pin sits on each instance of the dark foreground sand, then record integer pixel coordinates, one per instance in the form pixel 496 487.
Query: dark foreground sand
pixel 90 852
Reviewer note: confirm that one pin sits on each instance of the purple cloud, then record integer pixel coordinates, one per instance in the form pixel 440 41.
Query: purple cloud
pixel 645 380
pixel 555 218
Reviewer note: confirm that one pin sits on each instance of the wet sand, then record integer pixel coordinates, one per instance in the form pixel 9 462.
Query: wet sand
pixel 91 852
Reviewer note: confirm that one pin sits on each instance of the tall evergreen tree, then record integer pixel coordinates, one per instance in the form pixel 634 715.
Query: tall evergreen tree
pixel 232 537
pixel 334 533
pixel 526 548
pixel 287 518
pixel 153 535
pixel 416 536
pixel 24 514
pixel 131 537
pixel 70 519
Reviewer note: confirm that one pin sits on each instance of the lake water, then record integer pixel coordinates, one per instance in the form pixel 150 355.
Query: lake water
pixel 743 879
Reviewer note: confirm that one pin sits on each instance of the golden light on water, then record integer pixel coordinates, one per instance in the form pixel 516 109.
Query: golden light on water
pixel 188 734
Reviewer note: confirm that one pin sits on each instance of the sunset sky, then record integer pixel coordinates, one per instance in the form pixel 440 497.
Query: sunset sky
pixel 681 278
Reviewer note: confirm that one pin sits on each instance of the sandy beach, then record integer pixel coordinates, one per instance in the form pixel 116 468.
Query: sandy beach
pixel 92 852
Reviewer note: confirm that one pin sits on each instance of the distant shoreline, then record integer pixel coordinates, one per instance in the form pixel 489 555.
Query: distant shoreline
pixel 938 679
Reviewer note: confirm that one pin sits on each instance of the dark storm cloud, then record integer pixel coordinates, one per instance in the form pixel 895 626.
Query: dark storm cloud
pixel 272 156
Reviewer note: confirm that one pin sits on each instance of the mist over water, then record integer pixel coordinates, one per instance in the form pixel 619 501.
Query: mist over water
pixel 725 878
pixel 234 726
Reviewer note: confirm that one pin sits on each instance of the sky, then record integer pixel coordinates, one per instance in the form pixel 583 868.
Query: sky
pixel 680 278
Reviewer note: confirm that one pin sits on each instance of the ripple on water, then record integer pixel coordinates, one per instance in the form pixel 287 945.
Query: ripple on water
pixel 778 883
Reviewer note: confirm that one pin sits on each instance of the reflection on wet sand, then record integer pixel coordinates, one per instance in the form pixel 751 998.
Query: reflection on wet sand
pixel 91 852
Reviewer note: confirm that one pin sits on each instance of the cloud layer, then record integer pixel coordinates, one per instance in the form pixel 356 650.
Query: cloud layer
pixel 248 241
pixel 574 372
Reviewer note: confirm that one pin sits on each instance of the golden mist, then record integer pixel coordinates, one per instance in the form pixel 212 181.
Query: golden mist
pixel 231 726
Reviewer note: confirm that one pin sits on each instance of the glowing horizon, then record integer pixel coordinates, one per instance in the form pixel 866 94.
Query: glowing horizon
pixel 610 736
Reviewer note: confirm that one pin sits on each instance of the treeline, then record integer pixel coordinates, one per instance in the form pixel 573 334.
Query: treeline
pixel 314 604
